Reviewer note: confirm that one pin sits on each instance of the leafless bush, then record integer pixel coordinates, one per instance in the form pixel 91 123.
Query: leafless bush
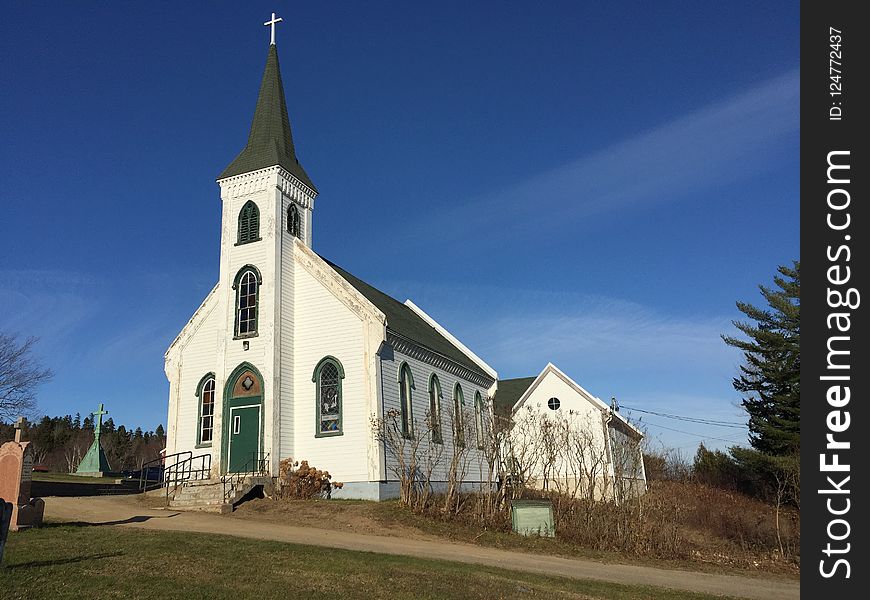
pixel 300 481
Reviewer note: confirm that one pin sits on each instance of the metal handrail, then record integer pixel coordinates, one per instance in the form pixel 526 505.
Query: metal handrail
pixel 161 460
pixel 257 465
pixel 183 471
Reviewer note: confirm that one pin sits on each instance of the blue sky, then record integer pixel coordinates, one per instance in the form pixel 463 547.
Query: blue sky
pixel 578 183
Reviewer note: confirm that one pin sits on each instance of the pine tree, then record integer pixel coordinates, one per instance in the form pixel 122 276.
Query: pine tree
pixel 770 373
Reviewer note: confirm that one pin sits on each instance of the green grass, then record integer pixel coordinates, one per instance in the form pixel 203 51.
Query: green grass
pixel 64 561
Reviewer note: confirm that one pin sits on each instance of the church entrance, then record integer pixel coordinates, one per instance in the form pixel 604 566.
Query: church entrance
pixel 243 420
pixel 244 438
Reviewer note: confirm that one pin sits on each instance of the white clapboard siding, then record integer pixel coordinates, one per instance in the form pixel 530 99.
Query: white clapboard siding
pixel 324 326
pixel 198 357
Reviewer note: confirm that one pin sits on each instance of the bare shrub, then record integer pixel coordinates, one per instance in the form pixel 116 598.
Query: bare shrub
pixel 300 481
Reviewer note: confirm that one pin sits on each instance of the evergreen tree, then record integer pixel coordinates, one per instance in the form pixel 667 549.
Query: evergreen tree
pixel 770 373
pixel 159 432
pixel 77 421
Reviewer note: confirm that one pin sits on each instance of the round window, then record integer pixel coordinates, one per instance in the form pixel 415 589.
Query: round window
pixel 553 403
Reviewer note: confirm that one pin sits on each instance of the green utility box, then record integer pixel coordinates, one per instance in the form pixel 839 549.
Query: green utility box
pixel 533 517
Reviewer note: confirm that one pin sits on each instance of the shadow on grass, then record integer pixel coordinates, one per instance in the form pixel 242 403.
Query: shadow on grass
pixel 127 521
pixel 62 561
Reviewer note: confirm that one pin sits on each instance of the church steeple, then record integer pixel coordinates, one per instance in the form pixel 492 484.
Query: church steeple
pixel 270 142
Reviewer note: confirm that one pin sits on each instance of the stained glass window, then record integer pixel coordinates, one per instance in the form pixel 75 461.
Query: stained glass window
pixel 329 397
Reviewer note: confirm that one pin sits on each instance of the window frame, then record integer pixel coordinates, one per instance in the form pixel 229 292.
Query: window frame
pixel 294 221
pixel 406 400
pixel 458 403
pixel 200 389
pixel 435 398
pixel 315 378
pixel 258 279
pixel 249 211
pixel 478 418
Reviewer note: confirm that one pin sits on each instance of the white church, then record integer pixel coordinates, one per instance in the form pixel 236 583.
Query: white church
pixel 290 355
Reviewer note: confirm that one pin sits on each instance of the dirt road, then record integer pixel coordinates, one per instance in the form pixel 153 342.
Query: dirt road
pixel 126 511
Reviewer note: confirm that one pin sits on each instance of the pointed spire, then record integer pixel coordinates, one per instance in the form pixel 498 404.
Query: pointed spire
pixel 270 142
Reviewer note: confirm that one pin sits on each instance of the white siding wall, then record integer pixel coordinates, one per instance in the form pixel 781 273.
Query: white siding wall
pixel 325 326
pixel 421 371
pixel 198 357
pixel 583 415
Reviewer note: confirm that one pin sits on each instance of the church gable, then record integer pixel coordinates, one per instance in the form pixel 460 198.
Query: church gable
pixel 192 326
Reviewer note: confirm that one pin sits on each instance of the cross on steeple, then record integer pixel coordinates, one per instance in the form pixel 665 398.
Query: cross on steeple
pixel 98 419
pixel 272 24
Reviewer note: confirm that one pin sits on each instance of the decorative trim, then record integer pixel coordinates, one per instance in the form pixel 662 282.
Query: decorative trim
pixel 336 284
pixel 414 350
pixel 195 321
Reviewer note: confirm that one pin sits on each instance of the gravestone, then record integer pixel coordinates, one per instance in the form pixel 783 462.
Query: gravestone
pixel 95 463
pixel 16 475
pixel 5 521
pixel 533 517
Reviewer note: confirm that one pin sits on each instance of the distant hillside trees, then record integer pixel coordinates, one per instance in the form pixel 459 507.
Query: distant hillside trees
pixel 59 443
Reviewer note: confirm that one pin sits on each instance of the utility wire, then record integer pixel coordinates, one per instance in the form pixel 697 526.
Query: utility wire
pixel 703 437
pixel 698 420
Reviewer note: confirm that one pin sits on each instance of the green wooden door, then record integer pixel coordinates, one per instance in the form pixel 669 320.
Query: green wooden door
pixel 244 438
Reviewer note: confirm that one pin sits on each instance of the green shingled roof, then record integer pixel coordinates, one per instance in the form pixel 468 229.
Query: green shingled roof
pixel 508 392
pixel 270 142
pixel 405 322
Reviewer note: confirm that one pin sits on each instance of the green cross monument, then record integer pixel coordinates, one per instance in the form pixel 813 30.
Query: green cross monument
pixel 95 463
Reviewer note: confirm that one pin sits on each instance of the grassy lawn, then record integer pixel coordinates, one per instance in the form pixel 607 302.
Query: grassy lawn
pixel 62 561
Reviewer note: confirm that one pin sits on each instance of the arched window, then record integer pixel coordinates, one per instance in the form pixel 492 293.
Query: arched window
pixel 247 286
pixel 458 403
pixel 406 385
pixel 249 223
pixel 205 424
pixel 478 419
pixel 435 409
pixel 328 375
pixel 293 221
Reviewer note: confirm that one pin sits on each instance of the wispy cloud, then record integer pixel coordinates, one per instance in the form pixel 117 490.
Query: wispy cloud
pixel 715 145
pixel 45 303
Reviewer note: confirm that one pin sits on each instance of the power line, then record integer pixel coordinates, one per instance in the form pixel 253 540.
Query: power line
pixel 688 419
pixel 703 437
